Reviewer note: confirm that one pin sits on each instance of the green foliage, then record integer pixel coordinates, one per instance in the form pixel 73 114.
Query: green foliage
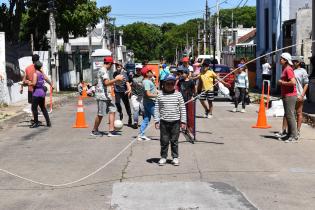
pixel 74 17
pixel 143 39
pixel 245 16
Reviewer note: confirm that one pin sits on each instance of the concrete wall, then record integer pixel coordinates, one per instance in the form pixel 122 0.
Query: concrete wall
pixel 303 33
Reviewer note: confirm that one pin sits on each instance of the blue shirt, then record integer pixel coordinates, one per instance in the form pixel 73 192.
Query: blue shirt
pixel 164 73
pixel 148 86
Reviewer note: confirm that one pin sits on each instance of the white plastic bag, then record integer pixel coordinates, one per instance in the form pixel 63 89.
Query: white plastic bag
pixel 224 90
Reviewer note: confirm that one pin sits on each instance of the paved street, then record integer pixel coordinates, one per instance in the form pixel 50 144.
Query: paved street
pixel 232 166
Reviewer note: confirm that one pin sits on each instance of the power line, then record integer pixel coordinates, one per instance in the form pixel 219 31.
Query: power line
pixel 159 14
pixel 245 3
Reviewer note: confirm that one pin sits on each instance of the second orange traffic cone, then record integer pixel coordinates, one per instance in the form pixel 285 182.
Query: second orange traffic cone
pixel 262 118
pixel 80 121
pixel 84 93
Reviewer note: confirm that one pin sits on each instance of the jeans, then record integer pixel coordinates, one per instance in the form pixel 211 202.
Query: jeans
pixel 39 101
pixel 289 113
pixel 124 97
pixel 240 94
pixel 148 112
pixel 169 132
pixel 137 105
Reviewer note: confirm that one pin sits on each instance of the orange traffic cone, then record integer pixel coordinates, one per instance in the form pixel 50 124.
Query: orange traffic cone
pixel 262 118
pixel 80 121
pixel 84 94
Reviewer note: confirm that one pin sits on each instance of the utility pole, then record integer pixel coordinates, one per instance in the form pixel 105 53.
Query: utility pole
pixel 53 45
pixel 90 50
pixel 218 32
pixel 192 47
pixel 114 20
pixel 198 41
pixel 204 35
pixel 104 42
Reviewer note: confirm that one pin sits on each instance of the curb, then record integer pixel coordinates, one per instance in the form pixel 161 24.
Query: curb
pixel 57 102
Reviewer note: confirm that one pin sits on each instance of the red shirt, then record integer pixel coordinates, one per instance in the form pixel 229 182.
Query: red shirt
pixel 287 75
pixel 29 71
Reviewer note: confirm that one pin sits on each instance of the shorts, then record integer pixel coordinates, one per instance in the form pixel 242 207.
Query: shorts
pixel 105 107
pixel 207 95
pixel 29 96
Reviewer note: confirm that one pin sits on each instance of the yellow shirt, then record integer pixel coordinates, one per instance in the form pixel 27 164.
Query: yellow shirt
pixel 207 79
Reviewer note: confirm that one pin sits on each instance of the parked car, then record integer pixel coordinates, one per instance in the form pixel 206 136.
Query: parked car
pixel 222 71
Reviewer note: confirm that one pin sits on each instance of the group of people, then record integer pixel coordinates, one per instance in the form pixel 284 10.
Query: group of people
pixel 165 103
pixel 34 78
pixel 294 84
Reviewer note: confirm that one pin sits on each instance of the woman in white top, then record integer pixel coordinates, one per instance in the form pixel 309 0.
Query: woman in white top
pixel 266 72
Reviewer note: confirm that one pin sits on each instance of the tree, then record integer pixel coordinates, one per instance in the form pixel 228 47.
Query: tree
pixel 176 37
pixel 74 16
pixel 143 39
pixel 11 18
pixel 245 16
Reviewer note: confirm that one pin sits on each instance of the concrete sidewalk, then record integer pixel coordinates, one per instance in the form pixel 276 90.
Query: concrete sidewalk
pixel 15 111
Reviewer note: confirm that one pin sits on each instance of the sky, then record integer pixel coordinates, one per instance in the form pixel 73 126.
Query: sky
pixel 160 11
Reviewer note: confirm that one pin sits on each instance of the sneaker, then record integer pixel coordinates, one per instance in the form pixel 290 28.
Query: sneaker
pixel 243 111
pixel 143 138
pixel 162 161
pixel 49 124
pixel 298 134
pixel 113 134
pixel 96 134
pixel 175 162
pixel 283 138
pixel 135 126
pixel 234 110
pixel 34 125
pixel 130 122
pixel 205 116
pixel 210 116
pixel 281 134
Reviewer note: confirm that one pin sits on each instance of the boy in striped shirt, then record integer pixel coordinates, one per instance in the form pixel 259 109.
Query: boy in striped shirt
pixel 169 117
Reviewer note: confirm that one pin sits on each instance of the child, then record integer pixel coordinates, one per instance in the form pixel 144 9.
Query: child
pixel 169 117
pixel 206 83
pixel 150 93
pixel 186 85
pixel 241 88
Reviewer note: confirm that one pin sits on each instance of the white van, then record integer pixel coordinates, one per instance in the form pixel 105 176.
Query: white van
pixel 201 57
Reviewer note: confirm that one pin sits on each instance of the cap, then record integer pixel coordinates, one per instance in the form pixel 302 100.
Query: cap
pixel 182 69
pixel 145 70
pixel 164 65
pixel 185 59
pixel 108 59
pixel 38 65
pixel 298 59
pixel 117 63
pixel 287 57
pixel 169 78
pixel 139 66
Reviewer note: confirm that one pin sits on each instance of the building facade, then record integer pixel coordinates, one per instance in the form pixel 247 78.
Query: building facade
pixel 276 28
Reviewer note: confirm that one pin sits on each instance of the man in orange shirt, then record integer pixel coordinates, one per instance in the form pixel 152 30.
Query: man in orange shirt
pixel 28 78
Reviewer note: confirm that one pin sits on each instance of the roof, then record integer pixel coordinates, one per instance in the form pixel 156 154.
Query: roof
pixel 246 38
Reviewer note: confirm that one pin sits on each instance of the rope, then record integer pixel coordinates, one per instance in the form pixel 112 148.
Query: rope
pixel 133 141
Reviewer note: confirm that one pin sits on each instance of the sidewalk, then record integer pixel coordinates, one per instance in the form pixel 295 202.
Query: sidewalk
pixel 14 111
pixel 308 109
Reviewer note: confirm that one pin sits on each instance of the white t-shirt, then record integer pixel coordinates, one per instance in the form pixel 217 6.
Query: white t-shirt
pixel 191 69
pixel 266 69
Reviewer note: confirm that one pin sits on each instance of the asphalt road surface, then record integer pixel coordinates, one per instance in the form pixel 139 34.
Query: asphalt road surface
pixel 231 166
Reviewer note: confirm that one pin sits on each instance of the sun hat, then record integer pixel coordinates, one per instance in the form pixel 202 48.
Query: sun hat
pixel 287 57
